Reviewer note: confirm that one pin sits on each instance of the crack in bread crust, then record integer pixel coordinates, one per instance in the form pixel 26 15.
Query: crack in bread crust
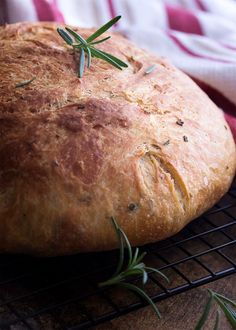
pixel 155 168
pixel 176 184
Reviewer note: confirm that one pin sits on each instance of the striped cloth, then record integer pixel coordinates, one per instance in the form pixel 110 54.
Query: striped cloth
pixel 198 36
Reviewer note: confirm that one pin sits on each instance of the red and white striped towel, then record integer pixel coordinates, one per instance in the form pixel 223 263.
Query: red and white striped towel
pixel 198 36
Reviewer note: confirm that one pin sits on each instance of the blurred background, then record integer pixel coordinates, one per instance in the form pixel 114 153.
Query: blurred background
pixel 198 36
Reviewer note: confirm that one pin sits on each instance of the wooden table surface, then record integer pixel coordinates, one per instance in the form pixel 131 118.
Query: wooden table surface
pixel 179 312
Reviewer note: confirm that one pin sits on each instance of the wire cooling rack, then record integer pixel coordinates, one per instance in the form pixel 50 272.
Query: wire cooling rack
pixel 61 293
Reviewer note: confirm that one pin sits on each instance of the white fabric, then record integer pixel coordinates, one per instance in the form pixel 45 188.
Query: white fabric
pixel 205 55
pixel 21 11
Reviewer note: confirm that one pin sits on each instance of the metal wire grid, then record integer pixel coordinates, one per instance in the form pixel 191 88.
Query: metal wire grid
pixel 61 293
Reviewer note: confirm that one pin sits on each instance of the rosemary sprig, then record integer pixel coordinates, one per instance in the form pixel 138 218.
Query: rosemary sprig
pixel 134 266
pixel 78 43
pixel 225 305
pixel 24 83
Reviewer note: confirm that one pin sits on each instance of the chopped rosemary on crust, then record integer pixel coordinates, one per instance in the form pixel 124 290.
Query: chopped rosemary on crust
pixel 25 83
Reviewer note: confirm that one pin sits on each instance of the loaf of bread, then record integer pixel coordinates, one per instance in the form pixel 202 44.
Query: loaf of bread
pixel 149 149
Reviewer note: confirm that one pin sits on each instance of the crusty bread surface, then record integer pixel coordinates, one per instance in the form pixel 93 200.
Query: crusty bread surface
pixel 151 150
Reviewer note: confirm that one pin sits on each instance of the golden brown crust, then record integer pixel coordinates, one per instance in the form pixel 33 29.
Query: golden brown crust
pixel 150 149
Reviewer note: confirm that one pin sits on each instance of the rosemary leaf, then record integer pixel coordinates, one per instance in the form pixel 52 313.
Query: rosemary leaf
pixel 142 294
pixel 131 272
pixel 217 321
pixel 89 56
pixel 140 258
pixel 77 36
pixel 81 63
pixel 145 277
pixel 225 299
pixel 25 83
pixel 120 239
pixel 154 270
pixel 97 53
pixel 112 281
pixel 103 29
pixel 99 41
pixel 139 266
pixel 225 304
pixel 233 311
pixel 136 252
pixel 130 256
pixel 117 60
pixel 205 313
pixel 65 36
pixel 229 313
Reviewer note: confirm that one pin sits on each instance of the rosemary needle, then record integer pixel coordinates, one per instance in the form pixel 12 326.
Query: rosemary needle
pixel 217 321
pixel 82 62
pixel 86 46
pixel 225 305
pixel 134 266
